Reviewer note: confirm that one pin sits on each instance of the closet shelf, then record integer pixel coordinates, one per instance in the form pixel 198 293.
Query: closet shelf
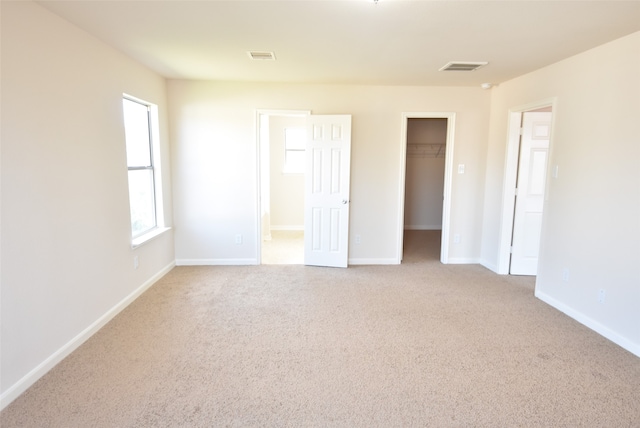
pixel 425 150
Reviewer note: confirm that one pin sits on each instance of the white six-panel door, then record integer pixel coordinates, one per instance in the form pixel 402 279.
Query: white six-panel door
pixel 326 217
pixel 532 172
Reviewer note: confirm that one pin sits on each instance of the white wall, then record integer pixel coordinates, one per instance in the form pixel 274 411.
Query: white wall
pixel 591 225
pixel 214 158
pixel 287 190
pixel 67 262
pixel 425 176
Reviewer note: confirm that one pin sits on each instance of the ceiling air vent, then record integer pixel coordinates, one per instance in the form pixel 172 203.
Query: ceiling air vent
pixel 258 55
pixel 463 66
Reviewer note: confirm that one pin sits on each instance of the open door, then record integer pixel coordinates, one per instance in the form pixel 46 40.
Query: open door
pixel 328 155
pixel 532 172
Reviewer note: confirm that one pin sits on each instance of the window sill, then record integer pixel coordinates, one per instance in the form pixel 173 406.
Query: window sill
pixel 149 236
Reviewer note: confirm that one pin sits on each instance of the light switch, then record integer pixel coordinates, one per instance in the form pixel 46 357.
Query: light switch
pixel 461 168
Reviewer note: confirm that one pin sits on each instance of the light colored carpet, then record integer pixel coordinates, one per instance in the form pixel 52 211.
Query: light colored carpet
pixel 420 344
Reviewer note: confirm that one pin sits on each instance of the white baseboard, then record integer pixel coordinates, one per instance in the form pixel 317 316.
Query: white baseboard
pixel 32 377
pixel 625 343
pixel 373 262
pixel 216 262
pixel 491 266
pixel 423 227
pixel 463 261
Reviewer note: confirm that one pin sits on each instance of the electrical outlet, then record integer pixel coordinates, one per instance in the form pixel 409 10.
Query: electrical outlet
pixel 135 262
pixel 358 239
pixel 565 275
pixel 238 239
pixel 602 295
pixel 456 238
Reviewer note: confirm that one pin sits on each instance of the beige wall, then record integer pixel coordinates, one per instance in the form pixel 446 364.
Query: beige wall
pixel 214 158
pixel 67 262
pixel 591 224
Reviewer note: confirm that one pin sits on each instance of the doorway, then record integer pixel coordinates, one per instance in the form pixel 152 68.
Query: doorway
pixel 281 140
pixel 321 208
pixel 425 183
pixel 526 172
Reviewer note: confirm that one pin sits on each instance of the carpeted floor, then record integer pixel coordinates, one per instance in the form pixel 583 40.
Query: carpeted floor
pixel 420 344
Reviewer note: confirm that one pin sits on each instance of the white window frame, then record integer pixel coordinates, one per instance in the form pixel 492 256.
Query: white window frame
pixel 294 169
pixel 155 167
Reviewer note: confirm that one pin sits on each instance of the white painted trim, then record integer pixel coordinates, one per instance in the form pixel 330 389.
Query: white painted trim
pixel 423 227
pixel 622 341
pixel 216 262
pixel 364 261
pixel 464 261
pixel 34 375
pixel 256 126
pixel 149 236
pixel 491 266
pixel 448 172
pixel 511 173
pixel 508 190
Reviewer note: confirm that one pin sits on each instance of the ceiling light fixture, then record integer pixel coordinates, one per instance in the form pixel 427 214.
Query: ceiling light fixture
pixel 486 85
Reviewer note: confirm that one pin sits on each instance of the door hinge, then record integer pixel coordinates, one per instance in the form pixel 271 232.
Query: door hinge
pixel 515 192
pixel 521 131
pixel 511 249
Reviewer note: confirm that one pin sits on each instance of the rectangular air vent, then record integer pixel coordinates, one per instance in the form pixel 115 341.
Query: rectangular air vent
pixel 463 66
pixel 259 55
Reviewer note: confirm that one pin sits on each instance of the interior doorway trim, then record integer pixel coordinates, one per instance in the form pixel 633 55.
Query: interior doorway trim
pixel 448 168
pixel 511 174
pixel 262 154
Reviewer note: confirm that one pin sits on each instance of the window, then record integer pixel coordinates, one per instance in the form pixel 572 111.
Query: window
pixel 140 125
pixel 294 146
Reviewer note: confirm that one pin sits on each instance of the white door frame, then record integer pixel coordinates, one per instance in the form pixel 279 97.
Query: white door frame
pixel 260 153
pixel 448 171
pixel 511 174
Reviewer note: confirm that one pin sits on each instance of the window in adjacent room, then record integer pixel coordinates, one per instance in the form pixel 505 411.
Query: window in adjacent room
pixel 140 123
pixel 294 146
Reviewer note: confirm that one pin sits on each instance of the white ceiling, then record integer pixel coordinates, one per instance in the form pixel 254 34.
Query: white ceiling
pixel 392 42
